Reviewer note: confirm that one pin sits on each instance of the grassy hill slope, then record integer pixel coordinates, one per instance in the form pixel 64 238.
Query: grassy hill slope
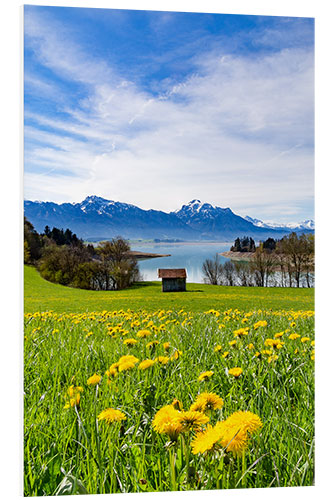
pixel 40 295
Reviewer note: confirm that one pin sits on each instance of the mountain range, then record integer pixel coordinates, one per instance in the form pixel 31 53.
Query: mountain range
pixel 307 225
pixel 97 218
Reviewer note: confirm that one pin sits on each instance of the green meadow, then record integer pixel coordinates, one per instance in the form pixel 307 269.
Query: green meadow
pixel 143 391
pixel 41 295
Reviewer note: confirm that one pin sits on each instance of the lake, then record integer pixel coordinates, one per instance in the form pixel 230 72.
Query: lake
pixel 190 256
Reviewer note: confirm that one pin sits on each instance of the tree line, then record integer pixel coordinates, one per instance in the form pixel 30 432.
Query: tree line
pixel 288 262
pixel 61 257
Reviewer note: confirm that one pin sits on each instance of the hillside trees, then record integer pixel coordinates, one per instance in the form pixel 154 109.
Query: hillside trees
pixel 245 244
pixel 120 270
pixel 33 243
pixel 61 237
pixel 109 268
pixel 61 257
pixel 59 263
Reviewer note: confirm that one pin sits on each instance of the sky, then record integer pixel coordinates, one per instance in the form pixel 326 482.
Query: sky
pixel 159 108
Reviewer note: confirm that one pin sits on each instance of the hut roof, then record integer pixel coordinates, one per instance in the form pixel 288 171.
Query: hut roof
pixel 172 273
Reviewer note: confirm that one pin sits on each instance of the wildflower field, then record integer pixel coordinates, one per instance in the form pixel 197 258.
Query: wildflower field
pixel 137 400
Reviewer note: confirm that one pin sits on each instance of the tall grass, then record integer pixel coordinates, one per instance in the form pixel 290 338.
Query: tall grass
pixel 70 449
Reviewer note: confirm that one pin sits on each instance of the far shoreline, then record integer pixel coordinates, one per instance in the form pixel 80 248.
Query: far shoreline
pixel 245 256
pixel 178 243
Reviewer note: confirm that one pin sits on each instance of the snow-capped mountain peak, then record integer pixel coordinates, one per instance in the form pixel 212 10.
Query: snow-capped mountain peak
pixel 307 224
pixel 196 207
pixel 97 217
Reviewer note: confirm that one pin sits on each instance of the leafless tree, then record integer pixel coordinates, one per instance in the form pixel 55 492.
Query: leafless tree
pixel 262 265
pixel 229 273
pixel 213 270
pixel 298 255
pixel 243 273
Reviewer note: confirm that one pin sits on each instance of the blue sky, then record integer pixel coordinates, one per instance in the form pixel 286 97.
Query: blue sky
pixel 158 108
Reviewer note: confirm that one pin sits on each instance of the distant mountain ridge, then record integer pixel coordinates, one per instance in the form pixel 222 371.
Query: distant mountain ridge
pixel 307 225
pixel 98 218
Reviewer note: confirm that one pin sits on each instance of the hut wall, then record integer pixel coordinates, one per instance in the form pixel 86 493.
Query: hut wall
pixel 173 284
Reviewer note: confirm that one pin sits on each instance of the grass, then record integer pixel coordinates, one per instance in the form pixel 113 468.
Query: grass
pixel 72 334
pixel 70 448
pixel 41 295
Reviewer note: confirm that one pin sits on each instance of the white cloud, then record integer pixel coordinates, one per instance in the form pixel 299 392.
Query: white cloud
pixel 236 133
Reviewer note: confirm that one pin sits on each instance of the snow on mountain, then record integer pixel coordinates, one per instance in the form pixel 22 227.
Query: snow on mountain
pixel 298 226
pixel 101 205
pixel 196 208
pixel 97 217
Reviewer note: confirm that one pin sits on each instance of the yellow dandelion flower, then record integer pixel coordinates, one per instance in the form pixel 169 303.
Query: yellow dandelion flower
pixel 207 401
pixel 166 346
pixel 147 363
pixel 278 335
pixel 225 354
pixel 166 422
pixel 72 390
pixel 293 336
pixel 115 365
pixel 126 365
pixel 152 344
pixel 205 375
pixel 206 440
pixel 250 346
pixel 163 360
pixel 232 343
pixel 245 421
pixel 267 352
pixel 130 342
pixel 312 342
pixel 128 357
pixel 176 355
pixel 111 373
pixel 272 358
pixel 110 415
pixel 275 343
pixel 305 339
pixel 232 439
pixel 260 324
pixel 236 372
pixel 142 334
pixel 217 348
pixel 94 379
pixel 178 405
pixel 73 396
pixel 192 420
pixel 172 429
pixel 241 331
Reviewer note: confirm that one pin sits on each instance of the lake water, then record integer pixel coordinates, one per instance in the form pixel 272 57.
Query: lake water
pixel 190 256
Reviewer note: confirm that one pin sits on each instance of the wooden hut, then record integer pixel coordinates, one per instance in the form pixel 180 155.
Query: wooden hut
pixel 173 280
